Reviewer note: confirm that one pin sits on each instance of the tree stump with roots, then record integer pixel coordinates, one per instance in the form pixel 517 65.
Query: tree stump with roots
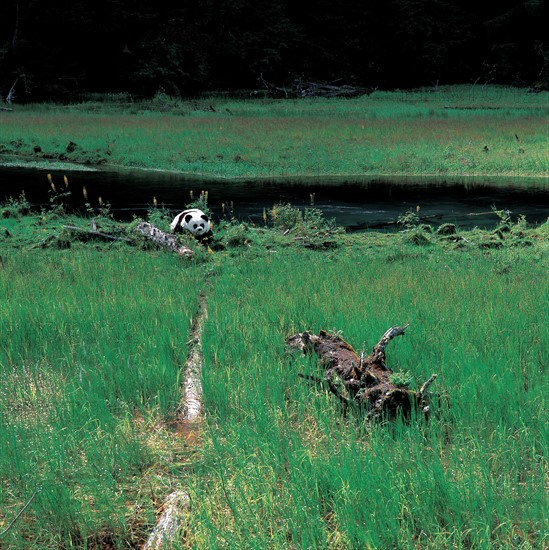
pixel 363 381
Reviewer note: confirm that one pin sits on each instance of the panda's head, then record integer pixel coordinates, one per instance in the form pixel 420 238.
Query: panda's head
pixel 194 221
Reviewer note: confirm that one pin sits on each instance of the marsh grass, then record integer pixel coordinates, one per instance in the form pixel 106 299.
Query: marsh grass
pixel 92 346
pixel 283 468
pixel 460 131
pixel 94 337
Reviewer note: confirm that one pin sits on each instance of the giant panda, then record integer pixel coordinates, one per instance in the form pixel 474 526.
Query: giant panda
pixel 195 222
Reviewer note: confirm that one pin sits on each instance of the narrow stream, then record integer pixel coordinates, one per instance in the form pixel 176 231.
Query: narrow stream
pixel 372 204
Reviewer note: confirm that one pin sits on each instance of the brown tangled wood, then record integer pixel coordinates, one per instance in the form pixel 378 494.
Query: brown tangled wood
pixel 365 381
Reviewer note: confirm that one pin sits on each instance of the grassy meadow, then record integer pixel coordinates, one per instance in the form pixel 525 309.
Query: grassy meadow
pixel 283 469
pixel 94 337
pixel 90 357
pixel 466 131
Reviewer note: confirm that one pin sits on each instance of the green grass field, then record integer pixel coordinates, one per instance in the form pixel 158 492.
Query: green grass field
pixel 282 468
pixel 94 337
pixel 460 131
pixel 92 346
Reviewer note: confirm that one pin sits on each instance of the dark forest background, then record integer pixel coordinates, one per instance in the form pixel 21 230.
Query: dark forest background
pixel 66 49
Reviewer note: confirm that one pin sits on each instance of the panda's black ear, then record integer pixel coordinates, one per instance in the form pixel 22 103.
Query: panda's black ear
pixel 204 217
pixel 188 218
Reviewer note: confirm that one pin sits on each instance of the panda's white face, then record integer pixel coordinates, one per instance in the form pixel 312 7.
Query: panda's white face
pixel 194 221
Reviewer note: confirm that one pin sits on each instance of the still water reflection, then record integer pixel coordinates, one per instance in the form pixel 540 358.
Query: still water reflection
pixel 371 204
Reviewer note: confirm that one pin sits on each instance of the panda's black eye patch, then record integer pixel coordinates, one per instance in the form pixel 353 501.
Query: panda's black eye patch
pixel 204 217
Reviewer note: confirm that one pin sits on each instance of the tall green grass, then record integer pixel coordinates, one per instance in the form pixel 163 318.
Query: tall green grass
pixel 283 468
pixel 94 338
pixel 449 132
pixel 92 346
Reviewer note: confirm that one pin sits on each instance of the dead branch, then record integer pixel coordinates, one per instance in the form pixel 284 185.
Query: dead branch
pixel 306 88
pixel 12 522
pixel 328 89
pixel 11 94
pixel 272 89
pixel 423 390
pixel 95 233
pixel 379 349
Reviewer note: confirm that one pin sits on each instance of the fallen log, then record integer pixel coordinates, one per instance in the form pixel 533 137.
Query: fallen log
pixel 191 402
pixel 305 88
pixel 177 504
pixel 364 381
pixel 94 233
pixel 170 521
pixel 162 239
pixel 326 89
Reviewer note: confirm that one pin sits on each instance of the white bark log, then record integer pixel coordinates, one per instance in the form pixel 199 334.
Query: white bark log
pixel 170 521
pixel 191 402
pixel 163 239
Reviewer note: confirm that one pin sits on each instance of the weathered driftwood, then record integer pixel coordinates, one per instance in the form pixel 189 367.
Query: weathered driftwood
pixel 170 521
pixel 365 381
pixel 160 238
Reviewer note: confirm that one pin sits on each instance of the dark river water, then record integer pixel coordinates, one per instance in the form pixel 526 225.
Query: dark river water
pixel 368 204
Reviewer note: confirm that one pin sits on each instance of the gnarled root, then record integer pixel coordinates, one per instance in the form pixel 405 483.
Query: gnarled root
pixel 366 380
